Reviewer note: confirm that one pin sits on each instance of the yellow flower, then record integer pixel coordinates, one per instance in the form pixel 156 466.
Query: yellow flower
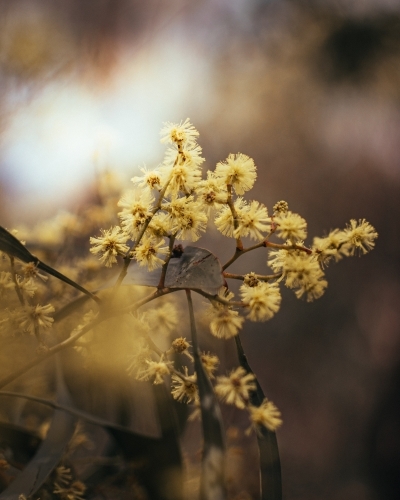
pixel 187 218
pixel 136 208
pixel 264 300
pixel 183 133
pixel 266 415
pixel 184 388
pixel 211 192
pixel 110 244
pixel 210 363
pixel 238 171
pixel 224 322
pixel 360 237
pixel 146 252
pixel 155 371
pixel 224 218
pixel 31 317
pixel 291 226
pixel 252 221
pixel 150 179
pixel 235 389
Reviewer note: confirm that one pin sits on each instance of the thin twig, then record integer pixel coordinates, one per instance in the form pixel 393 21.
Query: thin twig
pixel 261 277
pixel 217 298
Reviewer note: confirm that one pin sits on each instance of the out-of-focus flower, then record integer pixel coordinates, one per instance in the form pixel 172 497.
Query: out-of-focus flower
pixel 266 415
pixel 235 389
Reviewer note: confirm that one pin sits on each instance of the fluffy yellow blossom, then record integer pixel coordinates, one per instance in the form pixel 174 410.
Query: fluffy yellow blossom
pixel 184 175
pixel 291 226
pixel 136 208
pixel 329 247
pixel 155 371
pixel 180 345
pixel 224 322
pixel 238 171
pixel 27 286
pixel 184 388
pixel 224 218
pixel 210 363
pixel 179 133
pixel 161 225
pixel 150 179
pixel 187 218
pixel 253 219
pixel 146 252
pixel 360 237
pixel 266 415
pixel 211 192
pixel 110 244
pixel 235 389
pixel 299 270
pixel 32 317
pixel 264 300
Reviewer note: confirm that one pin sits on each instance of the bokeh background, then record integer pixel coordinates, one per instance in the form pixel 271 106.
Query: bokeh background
pixel 310 90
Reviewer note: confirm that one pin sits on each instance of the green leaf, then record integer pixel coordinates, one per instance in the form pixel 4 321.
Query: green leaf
pixel 270 465
pixel 196 268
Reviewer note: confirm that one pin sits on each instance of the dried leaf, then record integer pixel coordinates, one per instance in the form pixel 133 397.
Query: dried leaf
pixel 196 268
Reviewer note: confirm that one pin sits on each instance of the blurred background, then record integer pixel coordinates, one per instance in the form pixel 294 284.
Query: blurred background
pixel 310 90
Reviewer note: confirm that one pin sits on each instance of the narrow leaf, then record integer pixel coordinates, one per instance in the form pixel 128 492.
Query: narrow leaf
pixel 12 246
pixel 212 484
pixel 270 465
pixel 49 452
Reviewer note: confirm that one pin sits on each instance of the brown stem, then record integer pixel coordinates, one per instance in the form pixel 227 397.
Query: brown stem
pixel 260 277
pixel 217 298
pixel 161 283
pixel 288 247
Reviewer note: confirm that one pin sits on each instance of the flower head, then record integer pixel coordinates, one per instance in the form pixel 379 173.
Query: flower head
pixel 183 133
pixel 266 415
pixel 32 317
pixel 291 226
pixel 235 389
pixel 155 371
pixel 136 208
pixel 238 171
pixel 184 388
pixel 146 252
pixel 360 237
pixel 110 244
pixel 264 300
pixel 210 363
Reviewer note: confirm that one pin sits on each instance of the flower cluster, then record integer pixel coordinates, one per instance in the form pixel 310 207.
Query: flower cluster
pixel 148 226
